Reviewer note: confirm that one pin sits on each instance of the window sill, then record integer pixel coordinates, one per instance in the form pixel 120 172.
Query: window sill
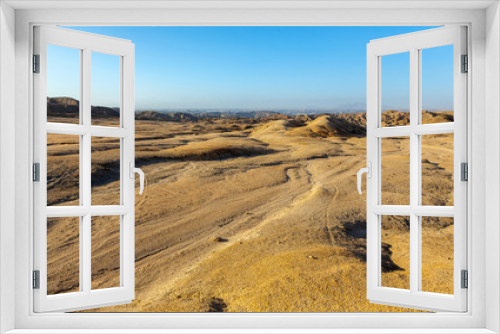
pixel 251 331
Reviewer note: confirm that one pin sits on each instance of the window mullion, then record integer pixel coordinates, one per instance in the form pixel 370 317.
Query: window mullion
pixel 86 168
pixel 81 181
pixel 414 171
pixel 418 167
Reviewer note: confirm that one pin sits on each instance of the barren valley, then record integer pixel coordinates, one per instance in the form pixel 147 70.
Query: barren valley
pixel 254 214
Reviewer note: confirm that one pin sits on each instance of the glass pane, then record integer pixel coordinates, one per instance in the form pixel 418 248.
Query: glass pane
pixel 437 169
pixel 437 84
pixel 105 171
pixel 395 177
pixel 395 89
pixel 63 255
pixel 105 252
pixel 395 233
pixel 437 254
pixel 105 90
pixel 63 84
pixel 63 169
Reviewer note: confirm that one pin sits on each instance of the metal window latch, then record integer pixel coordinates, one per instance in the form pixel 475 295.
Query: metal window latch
pixel 464 171
pixel 36 172
pixel 132 171
pixel 368 171
pixel 36 279
pixel 465 279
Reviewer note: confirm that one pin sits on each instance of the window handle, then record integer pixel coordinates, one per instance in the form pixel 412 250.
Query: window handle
pixel 134 170
pixel 368 171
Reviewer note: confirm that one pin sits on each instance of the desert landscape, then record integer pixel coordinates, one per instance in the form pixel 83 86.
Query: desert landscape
pixel 249 213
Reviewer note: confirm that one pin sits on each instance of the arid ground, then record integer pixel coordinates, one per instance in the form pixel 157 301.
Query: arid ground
pixel 252 214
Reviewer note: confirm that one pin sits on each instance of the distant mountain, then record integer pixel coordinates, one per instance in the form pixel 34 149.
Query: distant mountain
pixel 323 124
pixel 67 107
pixel 189 116
pixel 244 112
pixel 160 116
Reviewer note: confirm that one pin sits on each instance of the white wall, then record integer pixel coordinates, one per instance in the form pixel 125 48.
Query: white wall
pixel 7 160
pixel 492 164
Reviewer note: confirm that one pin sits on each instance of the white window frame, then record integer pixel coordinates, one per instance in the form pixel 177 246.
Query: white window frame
pixel 484 83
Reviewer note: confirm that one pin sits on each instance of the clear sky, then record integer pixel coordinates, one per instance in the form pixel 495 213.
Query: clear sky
pixel 254 68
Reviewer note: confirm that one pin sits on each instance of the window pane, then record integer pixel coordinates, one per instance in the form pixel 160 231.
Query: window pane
pixel 395 89
pixel 105 90
pixel 395 171
pixel 395 233
pixel 437 254
pixel 437 169
pixel 105 252
pixel 437 84
pixel 105 171
pixel 63 84
pixel 63 169
pixel 63 255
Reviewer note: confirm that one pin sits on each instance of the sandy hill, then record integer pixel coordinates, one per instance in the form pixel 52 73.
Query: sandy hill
pixel 332 125
pixel 395 118
pixel 437 117
pixel 399 118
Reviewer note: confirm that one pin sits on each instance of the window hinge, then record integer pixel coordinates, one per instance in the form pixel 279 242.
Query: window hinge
pixel 465 279
pixel 464 171
pixel 36 172
pixel 36 63
pixel 465 64
pixel 36 279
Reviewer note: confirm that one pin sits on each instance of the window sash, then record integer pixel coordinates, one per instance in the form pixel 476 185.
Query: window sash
pixel 86 297
pixel 413 43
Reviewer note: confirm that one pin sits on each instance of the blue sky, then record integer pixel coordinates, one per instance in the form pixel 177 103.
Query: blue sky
pixel 253 68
